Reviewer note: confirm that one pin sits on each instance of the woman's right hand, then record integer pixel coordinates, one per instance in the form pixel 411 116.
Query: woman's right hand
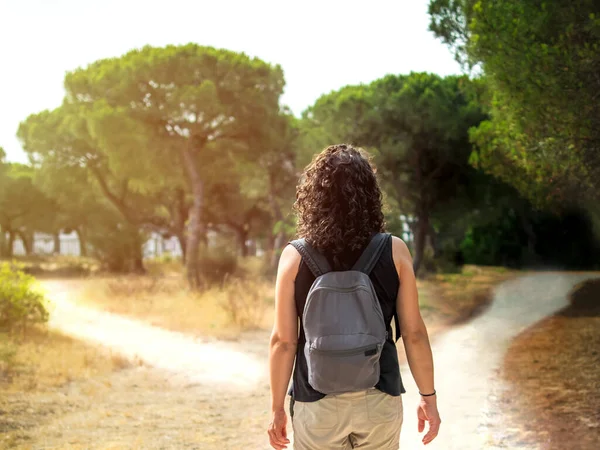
pixel 427 411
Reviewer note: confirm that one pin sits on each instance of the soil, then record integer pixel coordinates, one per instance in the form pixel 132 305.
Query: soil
pixel 553 373
pixel 193 393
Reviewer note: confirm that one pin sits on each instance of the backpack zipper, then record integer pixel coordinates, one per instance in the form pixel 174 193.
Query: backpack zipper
pixel 352 289
pixel 347 352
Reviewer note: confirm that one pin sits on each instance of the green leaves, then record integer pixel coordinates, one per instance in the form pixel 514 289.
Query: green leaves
pixel 20 304
pixel 540 63
pixel 416 126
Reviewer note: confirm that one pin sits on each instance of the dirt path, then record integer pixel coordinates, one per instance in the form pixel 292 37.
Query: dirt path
pixel 212 395
pixel 468 358
pixel 201 361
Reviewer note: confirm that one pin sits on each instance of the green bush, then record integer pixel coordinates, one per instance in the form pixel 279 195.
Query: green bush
pixel 257 267
pixel 217 264
pixel 20 304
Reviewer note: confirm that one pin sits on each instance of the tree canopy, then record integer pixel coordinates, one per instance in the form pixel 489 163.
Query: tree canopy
pixel 541 61
pixel 417 126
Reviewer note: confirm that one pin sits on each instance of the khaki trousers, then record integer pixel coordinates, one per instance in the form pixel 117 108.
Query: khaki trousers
pixel 369 420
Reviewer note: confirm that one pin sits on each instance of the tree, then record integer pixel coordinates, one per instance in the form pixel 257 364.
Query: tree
pixel 172 106
pixel 59 143
pixel 541 60
pixel 23 207
pixel 417 126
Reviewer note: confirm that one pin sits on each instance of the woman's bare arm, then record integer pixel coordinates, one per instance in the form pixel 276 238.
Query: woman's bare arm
pixel 284 341
pixel 415 338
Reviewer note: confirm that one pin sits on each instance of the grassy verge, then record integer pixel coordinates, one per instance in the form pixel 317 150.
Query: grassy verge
pixel 224 312
pixel 57 266
pixel 554 377
pixel 166 302
pixel 36 364
pixel 43 359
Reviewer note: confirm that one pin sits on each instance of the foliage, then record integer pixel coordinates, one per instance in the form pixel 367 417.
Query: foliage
pixel 564 241
pixel 417 127
pixel 20 304
pixel 177 111
pixel 218 264
pixel 116 244
pixel 541 61
pixel 23 207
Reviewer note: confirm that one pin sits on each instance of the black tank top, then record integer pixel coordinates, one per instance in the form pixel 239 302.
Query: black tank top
pixel 385 281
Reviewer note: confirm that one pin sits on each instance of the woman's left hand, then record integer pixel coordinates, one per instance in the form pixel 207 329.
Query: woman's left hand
pixel 278 430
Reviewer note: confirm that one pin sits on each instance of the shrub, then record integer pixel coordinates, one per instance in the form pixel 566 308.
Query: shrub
pixel 20 304
pixel 245 302
pixel 8 353
pixel 217 264
pixel 256 267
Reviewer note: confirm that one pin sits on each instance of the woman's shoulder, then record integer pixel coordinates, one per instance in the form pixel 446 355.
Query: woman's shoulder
pixel 400 252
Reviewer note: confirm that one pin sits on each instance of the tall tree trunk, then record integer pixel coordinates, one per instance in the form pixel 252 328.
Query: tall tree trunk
pixel 180 214
pixel 195 230
pixel 56 249
pixel 420 240
pixel 279 239
pixel 27 242
pixel 242 234
pixel 277 246
pixel 269 248
pixel 3 243
pixel 137 260
pixel 182 244
pixel 434 241
pixel 11 244
pixel 136 255
pixel 82 241
pixel 531 255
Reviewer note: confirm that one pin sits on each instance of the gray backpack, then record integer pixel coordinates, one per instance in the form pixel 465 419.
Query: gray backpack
pixel 343 322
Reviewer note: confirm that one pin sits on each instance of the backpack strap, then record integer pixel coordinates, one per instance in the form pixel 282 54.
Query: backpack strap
pixel 315 261
pixel 371 255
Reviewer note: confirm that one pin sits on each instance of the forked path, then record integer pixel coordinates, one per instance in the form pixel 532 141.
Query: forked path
pixel 467 359
pixel 200 361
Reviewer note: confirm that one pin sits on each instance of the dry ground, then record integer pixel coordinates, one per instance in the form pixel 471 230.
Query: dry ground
pixel 69 395
pixel 34 366
pixel 554 373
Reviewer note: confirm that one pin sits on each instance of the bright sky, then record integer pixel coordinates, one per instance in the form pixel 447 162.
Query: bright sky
pixel 321 45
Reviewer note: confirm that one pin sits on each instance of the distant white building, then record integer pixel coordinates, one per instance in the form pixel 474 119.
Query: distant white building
pixel 43 244
pixel 157 246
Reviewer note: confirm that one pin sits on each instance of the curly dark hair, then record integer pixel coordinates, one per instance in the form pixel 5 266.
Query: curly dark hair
pixel 338 200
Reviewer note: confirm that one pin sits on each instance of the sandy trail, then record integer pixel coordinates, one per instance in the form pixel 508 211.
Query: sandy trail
pixel 214 363
pixel 468 357
pixel 229 394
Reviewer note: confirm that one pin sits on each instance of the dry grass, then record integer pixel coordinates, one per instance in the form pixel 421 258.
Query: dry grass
pixel 34 368
pixel 42 359
pixel 58 266
pixel 449 299
pixel 244 304
pixel 168 303
pixel 553 371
